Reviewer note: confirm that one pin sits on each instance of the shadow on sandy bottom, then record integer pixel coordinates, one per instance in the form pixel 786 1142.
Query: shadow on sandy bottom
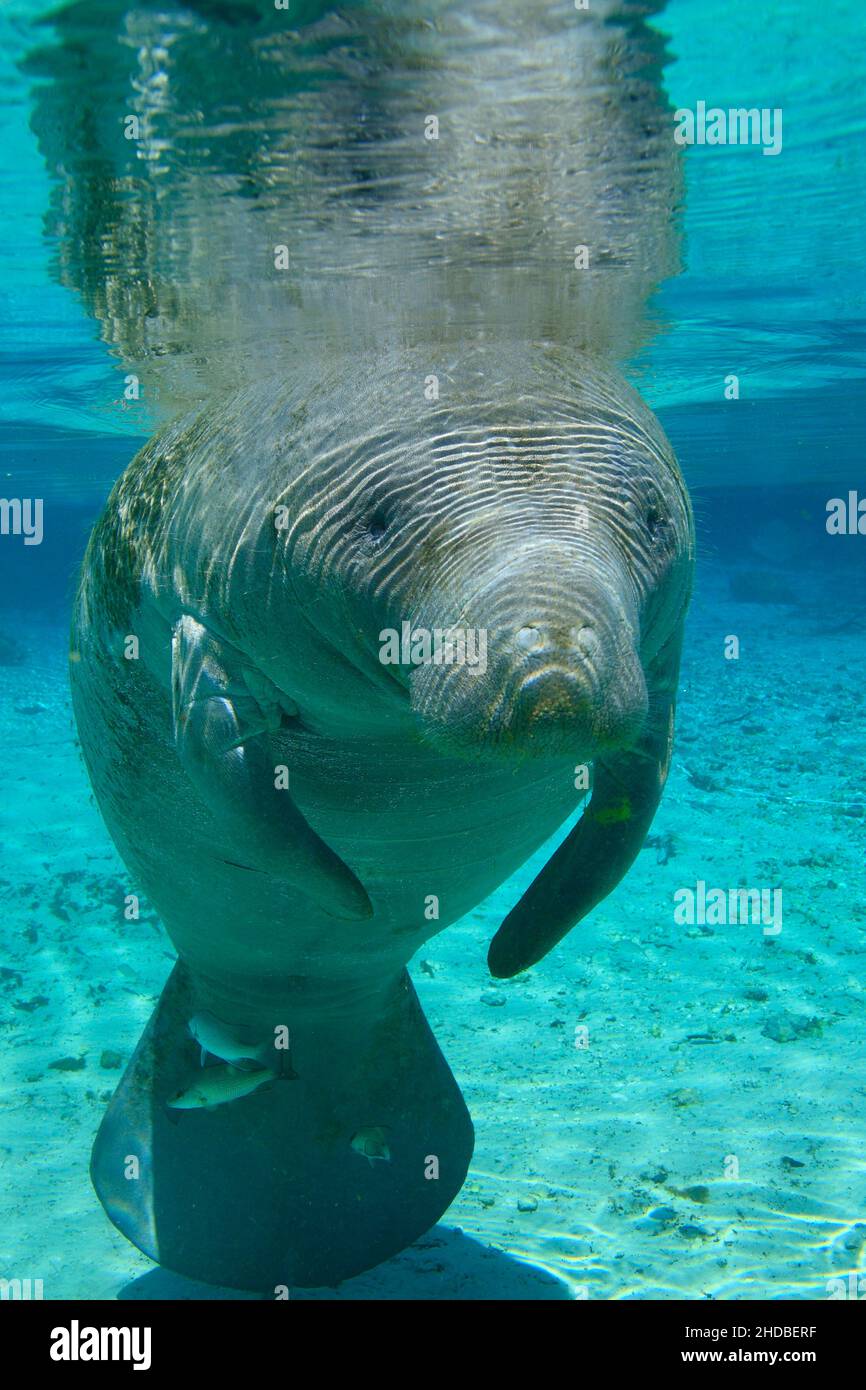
pixel 444 1264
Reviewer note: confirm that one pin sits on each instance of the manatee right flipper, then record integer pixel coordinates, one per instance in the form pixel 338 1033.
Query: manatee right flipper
pixel 217 721
pixel 627 788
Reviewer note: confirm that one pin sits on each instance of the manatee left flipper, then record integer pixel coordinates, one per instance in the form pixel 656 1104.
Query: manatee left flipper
pixel 599 851
pixel 216 726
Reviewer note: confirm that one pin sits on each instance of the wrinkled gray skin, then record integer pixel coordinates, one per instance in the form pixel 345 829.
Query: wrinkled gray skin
pixel 537 499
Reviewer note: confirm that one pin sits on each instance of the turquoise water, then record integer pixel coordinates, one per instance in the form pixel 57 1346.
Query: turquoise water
pixel 708 1141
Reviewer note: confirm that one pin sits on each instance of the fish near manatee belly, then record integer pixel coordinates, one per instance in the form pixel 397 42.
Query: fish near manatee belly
pixel 220 1086
pixel 293 803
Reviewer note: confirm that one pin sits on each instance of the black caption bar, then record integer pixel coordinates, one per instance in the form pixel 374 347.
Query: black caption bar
pixel 58 1339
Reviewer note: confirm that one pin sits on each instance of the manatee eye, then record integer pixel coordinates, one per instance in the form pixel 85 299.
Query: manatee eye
pixel 377 526
pixel 655 522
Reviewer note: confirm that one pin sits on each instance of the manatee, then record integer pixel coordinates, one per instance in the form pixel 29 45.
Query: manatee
pixel 404 556
pixel 304 815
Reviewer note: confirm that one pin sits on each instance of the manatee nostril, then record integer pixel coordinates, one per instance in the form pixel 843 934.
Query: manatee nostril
pixel 586 640
pixel 531 639
pixel 537 638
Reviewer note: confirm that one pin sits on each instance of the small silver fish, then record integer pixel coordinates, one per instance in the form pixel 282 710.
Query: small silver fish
pixel 219 1085
pixel 371 1142
pixel 218 1039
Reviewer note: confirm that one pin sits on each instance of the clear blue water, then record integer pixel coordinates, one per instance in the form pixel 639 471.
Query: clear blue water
pixel 607 1170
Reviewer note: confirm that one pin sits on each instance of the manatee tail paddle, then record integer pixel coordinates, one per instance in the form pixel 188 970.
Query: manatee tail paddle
pixel 275 1188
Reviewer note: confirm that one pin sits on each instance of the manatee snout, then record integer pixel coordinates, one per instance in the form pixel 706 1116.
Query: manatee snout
pixel 562 674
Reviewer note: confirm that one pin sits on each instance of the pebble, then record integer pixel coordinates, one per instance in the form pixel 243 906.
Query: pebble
pixel 685 1096
pixel 698 1193
pixel 787 1027
pixel 494 1000
pixel 664 1215
pixel 692 1232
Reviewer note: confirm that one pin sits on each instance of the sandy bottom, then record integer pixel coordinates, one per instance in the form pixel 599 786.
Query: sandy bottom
pixel 709 1140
